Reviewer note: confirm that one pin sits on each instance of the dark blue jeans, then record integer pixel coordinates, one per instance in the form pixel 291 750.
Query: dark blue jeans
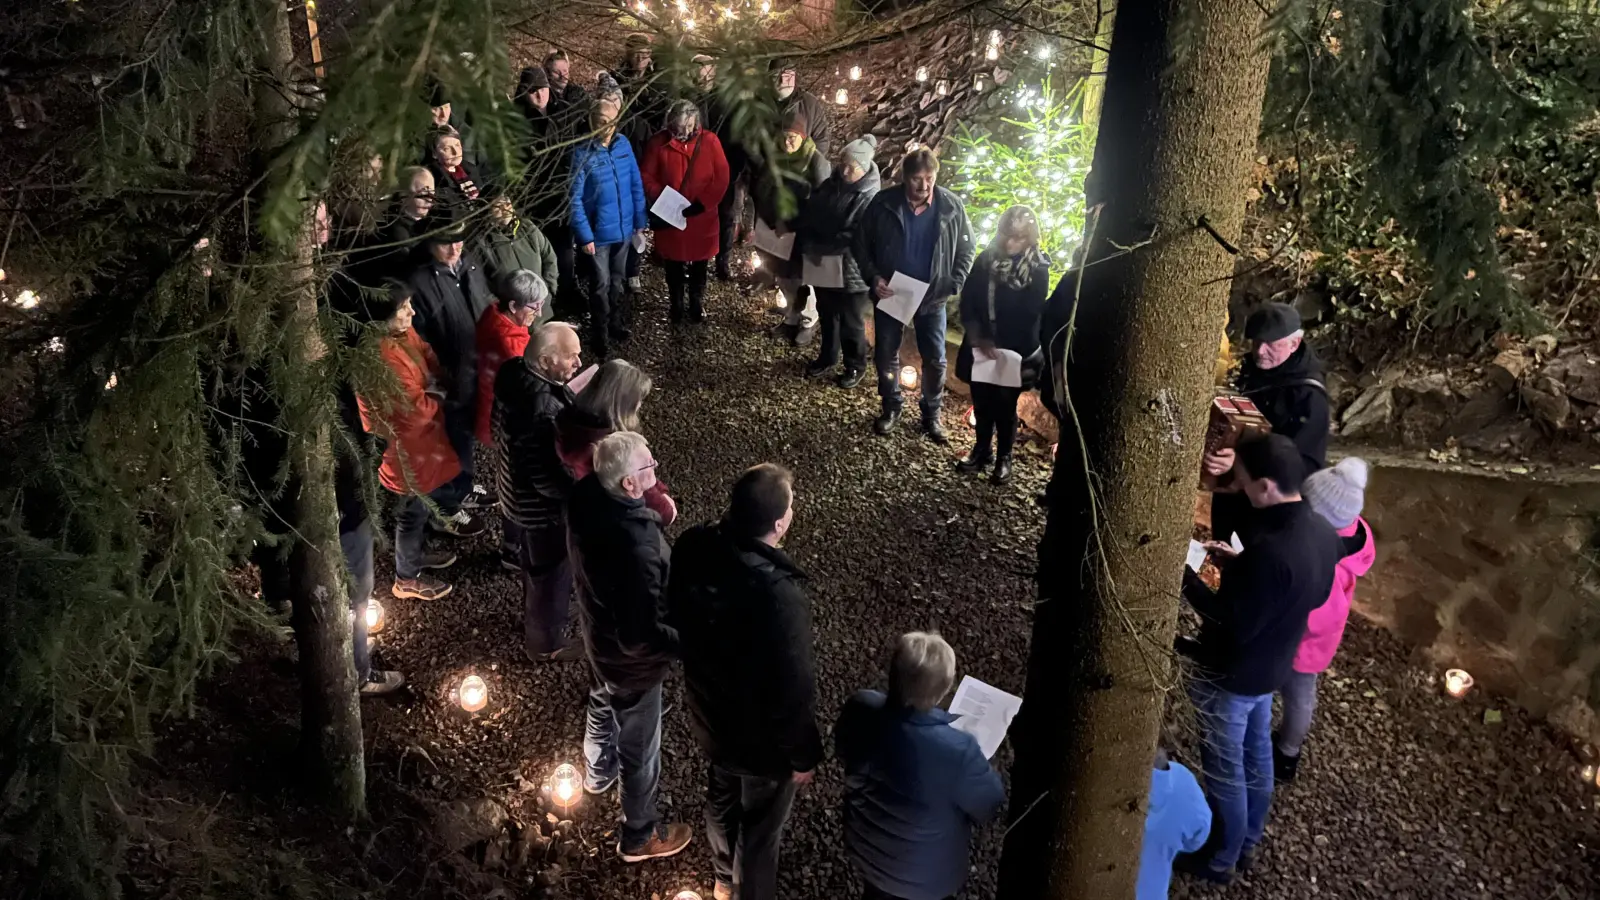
pixel 411 516
pixel 745 816
pixel 608 269
pixel 458 426
pixel 623 736
pixel 357 547
pixel 546 590
pixel 1237 757
pixel 929 324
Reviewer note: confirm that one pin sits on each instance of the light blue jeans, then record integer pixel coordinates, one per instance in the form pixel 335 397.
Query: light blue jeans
pixel 1236 753
pixel 623 737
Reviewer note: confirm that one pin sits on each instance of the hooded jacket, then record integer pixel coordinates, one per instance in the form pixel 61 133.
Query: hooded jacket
pixel 533 483
pixel 882 233
pixel 699 171
pixel 828 224
pixel 744 630
pixel 1179 821
pixel 520 245
pixel 607 193
pixel 417 456
pixel 816 114
pixel 499 339
pixel 802 172
pixel 1294 398
pixel 576 434
pixel 620 561
pixel 447 306
pixel 1325 625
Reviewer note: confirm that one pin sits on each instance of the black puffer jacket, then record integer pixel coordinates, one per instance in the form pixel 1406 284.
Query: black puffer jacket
pixel 1015 326
pixel 447 306
pixel 620 560
pixel 827 225
pixel 882 233
pixel 533 483
pixel 745 631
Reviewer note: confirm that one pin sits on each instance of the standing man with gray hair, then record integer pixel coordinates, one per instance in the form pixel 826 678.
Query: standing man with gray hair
pixel 620 560
pixel 914 786
pixel 750 677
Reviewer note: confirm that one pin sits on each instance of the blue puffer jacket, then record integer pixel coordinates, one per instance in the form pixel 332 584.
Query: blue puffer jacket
pixel 607 193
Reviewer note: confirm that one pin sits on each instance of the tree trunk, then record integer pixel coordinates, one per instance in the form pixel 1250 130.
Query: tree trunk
pixel 330 705
pixel 1094 89
pixel 1182 108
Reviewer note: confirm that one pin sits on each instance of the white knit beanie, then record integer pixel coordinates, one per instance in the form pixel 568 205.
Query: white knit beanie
pixel 1338 493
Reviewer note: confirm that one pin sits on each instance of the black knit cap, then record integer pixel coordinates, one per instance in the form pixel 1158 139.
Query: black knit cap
pixel 438 95
pixel 446 230
pixel 532 79
pixel 1275 457
pixel 1272 322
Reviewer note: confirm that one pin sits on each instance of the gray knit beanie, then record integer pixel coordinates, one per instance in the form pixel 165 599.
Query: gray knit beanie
pixel 1338 493
pixel 861 151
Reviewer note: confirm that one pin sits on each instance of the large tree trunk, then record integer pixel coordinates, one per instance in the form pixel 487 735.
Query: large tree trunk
pixel 330 705
pixel 1177 137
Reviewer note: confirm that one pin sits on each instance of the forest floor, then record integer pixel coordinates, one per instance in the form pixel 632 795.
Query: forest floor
pixel 1405 793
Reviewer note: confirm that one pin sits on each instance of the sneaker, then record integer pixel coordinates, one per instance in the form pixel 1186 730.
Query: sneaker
pixel 804 335
pixel 669 840
pixel 974 462
pixel 818 369
pixel 1247 859
pixel 604 788
pixel 423 587
pixel 634 283
pixel 933 430
pixel 380 682
pixel 849 378
pixel 886 422
pixel 437 559
pixel 508 561
pixel 1284 768
pixel 479 497
pixel 462 525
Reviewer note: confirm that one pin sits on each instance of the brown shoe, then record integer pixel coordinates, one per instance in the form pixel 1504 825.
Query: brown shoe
pixel 669 840
pixel 722 892
pixel 423 587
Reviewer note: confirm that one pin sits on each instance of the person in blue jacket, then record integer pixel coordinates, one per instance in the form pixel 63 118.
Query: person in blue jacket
pixel 1179 821
pixel 608 210
pixel 914 786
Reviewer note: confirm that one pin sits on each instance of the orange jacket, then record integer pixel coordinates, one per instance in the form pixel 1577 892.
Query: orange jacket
pixel 498 339
pixel 417 457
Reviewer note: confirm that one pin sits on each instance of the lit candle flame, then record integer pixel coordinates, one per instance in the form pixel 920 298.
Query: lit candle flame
pixel 565 780
pixel 922 73
pixel 842 97
pixel 855 73
pixel 1457 682
pixel 474 693
pixel 908 376
pixel 374 616
pixel 755 260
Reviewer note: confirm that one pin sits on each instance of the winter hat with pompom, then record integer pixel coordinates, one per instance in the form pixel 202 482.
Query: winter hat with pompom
pixel 1338 493
pixel 861 151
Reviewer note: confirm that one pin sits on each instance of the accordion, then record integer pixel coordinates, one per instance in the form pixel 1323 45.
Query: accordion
pixel 1233 419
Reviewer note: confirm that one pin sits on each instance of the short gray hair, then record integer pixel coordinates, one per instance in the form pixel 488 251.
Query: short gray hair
pixel 921 671
pixel 521 289
pixel 613 458
pixel 544 339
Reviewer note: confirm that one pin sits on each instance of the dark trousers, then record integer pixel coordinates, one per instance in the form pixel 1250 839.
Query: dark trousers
pixel 844 326
pixel 411 516
pixel 357 547
pixel 729 213
pixel 546 589
pixel 608 276
pixel 510 537
pixel 459 422
pixel 745 817
pixel 872 893
pixel 566 291
pixel 929 325
pixel 622 736
pixel 996 409
pixel 682 277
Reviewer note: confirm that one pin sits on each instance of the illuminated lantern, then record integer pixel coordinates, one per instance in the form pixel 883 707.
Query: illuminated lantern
pixel 766 6
pixel 922 73
pixel 942 88
pixel 27 299
pixel 855 73
pixel 374 616
pixel 842 97
pixel 1590 774
pixel 473 693
pixel 992 54
pixel 908 377
pixel 977 82
pixel 688 24
pixel 1457 682
pixel 780 301
pixel 564 785
pixel 686 895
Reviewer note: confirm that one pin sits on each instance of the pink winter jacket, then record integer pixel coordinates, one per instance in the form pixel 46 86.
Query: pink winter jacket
pixel 1325 627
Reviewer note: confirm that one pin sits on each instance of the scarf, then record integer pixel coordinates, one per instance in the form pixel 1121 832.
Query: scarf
pixel 1015 271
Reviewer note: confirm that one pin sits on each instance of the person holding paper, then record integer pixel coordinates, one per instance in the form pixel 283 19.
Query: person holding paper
pixel 530 391
pixel 827 229
pixel 801 169
pixel 610 402
pixel 1250 631
pixel 914 786
pixel 687 161
pixel 1000 308
pixel 608 211
pixel 744 631
pixel 917 231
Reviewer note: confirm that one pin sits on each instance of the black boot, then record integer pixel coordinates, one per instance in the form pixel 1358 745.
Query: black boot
pixel 976 461
pixel 886 422
pixel 675 305
pixel 724 273
pixel 1284 768
pixel 933 430
pixel 697 293
pixel 1002 470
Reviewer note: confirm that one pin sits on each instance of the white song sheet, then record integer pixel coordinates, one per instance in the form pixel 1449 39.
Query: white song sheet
pixel 1197 555
pixel 768 240
pixel 823 271
pixel 582 379
pixel 907 298
pixel 984 711
pixel 998 366
pixel 670 206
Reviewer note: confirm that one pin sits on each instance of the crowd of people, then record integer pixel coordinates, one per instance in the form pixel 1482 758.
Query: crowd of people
pixel 461 286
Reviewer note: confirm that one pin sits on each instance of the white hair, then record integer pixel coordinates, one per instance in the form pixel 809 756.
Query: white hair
pixel 545 338
pixel 522 288
pixel 921 671
pixel 613 458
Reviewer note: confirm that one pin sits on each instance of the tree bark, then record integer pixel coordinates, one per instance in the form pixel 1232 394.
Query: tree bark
pixel 1178 133
pixel 330 705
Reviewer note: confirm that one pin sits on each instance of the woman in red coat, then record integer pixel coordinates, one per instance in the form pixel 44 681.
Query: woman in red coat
pixel 502 334
pixel 689 160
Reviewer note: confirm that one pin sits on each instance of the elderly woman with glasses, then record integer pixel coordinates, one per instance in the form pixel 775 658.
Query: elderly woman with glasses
pixel 914 786
pixel 688 159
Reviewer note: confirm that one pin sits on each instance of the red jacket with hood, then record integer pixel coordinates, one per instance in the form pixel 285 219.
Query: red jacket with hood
pixel 699 171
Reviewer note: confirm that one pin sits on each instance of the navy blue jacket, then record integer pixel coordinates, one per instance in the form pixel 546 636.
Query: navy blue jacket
pixel 607 193
pixel 914 787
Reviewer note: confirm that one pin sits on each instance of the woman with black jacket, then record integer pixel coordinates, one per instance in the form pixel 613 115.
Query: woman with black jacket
pixel 827 228
pixel 1001 304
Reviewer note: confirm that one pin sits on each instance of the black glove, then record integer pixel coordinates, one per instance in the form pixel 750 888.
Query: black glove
pixel 694 209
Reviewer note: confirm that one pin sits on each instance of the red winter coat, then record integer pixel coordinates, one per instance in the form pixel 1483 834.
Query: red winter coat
pixel 498 339
pixel 418 456
pixel 667 164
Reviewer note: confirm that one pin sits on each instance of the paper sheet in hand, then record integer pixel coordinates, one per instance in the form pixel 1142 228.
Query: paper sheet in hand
pixel 1235 543
pixel 1197 555
pixel 582 379
pixel 670 206
pixel 907 299
pixel 638 241
pixel 998 366
pixel 984 711
pixel 823 271
pixel 767 240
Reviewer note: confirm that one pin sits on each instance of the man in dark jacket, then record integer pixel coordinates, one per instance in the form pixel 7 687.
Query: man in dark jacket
pixel 1283 376
pixel 718 115
pixel 529 392
pixel 1249 632
pixel 919 230
pixel 451 293
pixel 549 167
pixel 619 562
pixel 792 98
pixel 827 229
pixel 745 631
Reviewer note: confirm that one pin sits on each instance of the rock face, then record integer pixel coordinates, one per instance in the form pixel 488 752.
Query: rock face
pixel 461 823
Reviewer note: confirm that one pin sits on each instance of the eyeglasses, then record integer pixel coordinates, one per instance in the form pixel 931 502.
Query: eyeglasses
pixel 649 465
